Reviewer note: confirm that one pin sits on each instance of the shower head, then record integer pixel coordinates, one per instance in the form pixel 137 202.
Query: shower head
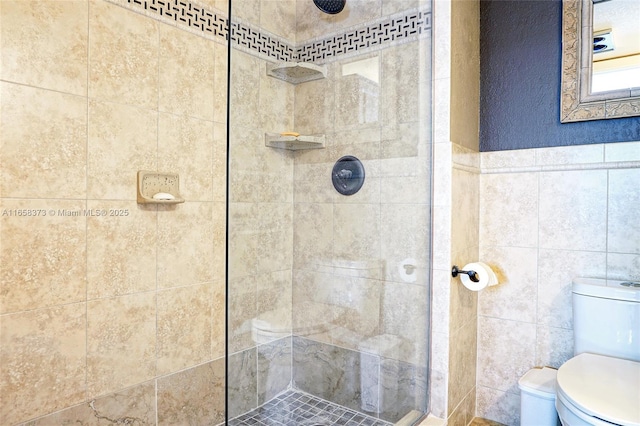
pixel 330 6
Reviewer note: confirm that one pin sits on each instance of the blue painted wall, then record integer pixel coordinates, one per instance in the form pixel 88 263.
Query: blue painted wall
pixel 520 61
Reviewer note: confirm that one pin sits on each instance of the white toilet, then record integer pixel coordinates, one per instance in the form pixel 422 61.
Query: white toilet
pixel 600 385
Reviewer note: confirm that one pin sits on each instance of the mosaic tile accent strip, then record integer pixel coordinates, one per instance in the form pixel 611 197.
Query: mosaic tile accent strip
pixel 295 408
pixel 391 30
pixel 187 14
pixel 253 40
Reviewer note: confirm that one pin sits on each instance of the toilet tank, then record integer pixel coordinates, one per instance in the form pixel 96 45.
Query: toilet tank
pixel 606 317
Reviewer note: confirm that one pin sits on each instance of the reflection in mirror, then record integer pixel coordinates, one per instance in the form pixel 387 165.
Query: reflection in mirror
pixel 578 102
pixel 616 45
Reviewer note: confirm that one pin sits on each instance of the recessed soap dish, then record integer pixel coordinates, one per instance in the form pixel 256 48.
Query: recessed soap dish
pixel 158 188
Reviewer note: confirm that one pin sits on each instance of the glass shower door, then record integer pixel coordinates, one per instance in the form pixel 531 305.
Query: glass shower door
pixel 328 292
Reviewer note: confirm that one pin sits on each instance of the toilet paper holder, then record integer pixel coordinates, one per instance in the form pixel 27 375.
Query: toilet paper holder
pixel 473 275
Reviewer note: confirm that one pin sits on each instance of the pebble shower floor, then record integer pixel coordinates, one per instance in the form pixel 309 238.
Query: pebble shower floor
pixel 295 408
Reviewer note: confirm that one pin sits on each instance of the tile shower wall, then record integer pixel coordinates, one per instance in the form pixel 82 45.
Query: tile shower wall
pixel 323 272
pixel 354 312
pixel 546 216
pixel 118 316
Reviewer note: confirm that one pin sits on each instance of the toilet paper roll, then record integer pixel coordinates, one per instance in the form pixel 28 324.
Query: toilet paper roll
pixel 485 274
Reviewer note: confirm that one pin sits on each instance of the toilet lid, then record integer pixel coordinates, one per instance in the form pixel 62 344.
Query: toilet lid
pixel 603 387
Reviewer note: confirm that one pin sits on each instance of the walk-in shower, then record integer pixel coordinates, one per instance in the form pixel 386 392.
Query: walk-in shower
pixel 328 291
pixel 178 250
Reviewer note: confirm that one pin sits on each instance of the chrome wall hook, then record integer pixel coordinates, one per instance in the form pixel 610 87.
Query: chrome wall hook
pixel 473 275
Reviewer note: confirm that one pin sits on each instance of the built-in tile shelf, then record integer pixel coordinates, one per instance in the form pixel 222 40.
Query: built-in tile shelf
pixel 296 72
pixel 293 142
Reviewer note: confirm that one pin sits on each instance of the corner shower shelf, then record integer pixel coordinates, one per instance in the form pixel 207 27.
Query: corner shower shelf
pixel 296 72
pixel 294 143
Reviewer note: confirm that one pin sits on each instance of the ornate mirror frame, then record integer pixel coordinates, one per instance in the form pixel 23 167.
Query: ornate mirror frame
pixel 576 103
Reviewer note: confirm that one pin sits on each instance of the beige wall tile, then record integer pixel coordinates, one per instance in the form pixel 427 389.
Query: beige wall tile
pixel 44 44
pixel 404 316
pixel 185 244
pixel 404 142
pixel 260 174
pixel 623 226
pixel 628 151
pixel 516 269
pixel 134 405
pixel 357 102
pixel 279 17
pixel 123 55
pixel 356 304
pixel 186 74
pixel 506 350
pixel 439 356
pixel 219 162
pixel 242 309
pixel 274 294
pixel 356 230
pixel 185 146
pixel 218 337
pixel 193 396
pixel 121 249
pixel 405 189
pixel 246 73
pixel 509 209
pixel 247 10
pixel 43 361
pixel 497 405
pixel 404 242
pixel 220 82
pixel 554 346
pixel 313 312
pixel 441 285
pixel 218 261
pixel 122 140
pixel 556 271
pixel 623 266
pixel 44 150
pixel 573 209
pixel 310 21
pixel 276 102
pixel 463 304
pixel 311 242
pixel 465 212
pixel 441 234
pixel 312 183
pixel 43 257
pixel 507 159
pixel 315 112
pixel 254 226
pixel 582 154
pixel 121 342
pixel 184 327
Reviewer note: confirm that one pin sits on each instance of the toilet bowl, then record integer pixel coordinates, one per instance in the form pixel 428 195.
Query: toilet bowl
pixel 598 390
pixel 600 385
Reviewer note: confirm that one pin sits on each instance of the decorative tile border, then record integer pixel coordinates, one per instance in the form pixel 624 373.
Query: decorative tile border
pixel 391 30
pixel 388 31
pixel 183 13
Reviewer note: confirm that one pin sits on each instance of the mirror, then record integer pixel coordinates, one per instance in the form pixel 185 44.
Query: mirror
pixel 578 101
